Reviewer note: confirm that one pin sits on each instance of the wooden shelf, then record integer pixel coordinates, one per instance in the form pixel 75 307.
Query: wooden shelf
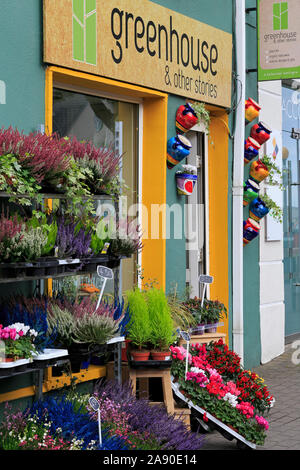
pixel 96 197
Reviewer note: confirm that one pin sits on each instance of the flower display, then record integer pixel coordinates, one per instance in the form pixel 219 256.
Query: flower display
pixel 18 340
pixel 216 382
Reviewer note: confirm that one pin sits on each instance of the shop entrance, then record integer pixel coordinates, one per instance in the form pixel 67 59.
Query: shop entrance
pixel 291 210
pixel 197 215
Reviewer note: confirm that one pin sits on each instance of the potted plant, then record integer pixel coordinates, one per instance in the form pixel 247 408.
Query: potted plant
pixel 186 179
pixel 139 328
pixel 18 341
pixel 161 323
pixel 202 114
pixel 206 315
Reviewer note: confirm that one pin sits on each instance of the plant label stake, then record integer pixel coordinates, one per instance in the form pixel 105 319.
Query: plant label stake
pixel 205 279
pixel 105 273
pixel 96 407
pixel 187 337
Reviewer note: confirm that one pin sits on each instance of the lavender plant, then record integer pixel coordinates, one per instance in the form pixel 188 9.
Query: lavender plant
pixel 170 433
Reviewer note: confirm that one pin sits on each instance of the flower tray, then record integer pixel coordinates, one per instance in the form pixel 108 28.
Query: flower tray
pixel 90 264
pixel 10 368
pixel 150 364
pixel 222 428
pixel 49 356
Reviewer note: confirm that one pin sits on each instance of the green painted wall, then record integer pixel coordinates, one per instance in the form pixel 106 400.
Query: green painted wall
pixel 252 345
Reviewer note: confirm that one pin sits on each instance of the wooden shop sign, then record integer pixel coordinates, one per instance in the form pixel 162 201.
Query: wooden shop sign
pixel 142 43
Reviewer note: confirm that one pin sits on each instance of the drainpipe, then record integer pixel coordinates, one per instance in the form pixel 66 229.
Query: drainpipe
pixel 237 188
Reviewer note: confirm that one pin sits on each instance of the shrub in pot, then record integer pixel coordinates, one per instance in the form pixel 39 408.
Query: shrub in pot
pixel 139 329
pixel 161 323
pixel 206 315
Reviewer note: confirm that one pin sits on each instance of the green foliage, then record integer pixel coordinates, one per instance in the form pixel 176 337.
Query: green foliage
pixel 161 323
pixel 202 114
pixel 20 348
pixel 139 328
pixel 275 210
pixel 94 329
pixel 16 180
pixel 182 317
pixel 212 311
pixel 39 219
pixel 62 323
pixel 275 173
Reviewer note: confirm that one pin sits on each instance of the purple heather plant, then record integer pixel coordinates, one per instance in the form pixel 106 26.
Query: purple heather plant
pixel 70 241
pixel 170 433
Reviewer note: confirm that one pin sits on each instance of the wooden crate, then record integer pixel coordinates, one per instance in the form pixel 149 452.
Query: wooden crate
pixel 205 338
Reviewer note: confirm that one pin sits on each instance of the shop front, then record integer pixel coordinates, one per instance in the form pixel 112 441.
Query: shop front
pixel 116 75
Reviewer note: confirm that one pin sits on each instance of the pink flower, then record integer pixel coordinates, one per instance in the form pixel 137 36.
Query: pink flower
pixel 261 421
pixel 21 333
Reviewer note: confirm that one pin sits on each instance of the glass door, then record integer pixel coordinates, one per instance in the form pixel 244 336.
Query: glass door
pixel 195 217
pixel 291 210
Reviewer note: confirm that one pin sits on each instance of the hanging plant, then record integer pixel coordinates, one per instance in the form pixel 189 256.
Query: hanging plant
pixel 274 210
pixel 202 114
pixel 275 175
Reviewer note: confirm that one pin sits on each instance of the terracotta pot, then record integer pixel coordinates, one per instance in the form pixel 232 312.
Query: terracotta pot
pixel 160 355
pixel 259 171
pixel 138 355
pixel 6 359
pixel 251 110
pixel 125 349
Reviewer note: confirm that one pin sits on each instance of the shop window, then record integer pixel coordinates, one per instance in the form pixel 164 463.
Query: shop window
pixel 105 122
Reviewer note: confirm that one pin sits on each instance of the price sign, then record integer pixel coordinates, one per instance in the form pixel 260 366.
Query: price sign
pixel 104 271
pixel 94 403
pixel 96 407
pixel 205 279
pixel 185 335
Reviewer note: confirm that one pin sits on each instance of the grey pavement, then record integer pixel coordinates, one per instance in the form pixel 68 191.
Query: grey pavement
pixel 282 378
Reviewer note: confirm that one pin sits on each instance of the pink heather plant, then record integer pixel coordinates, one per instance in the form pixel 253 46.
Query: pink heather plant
pixel 105 160
pixel 9 227
pixel 45 156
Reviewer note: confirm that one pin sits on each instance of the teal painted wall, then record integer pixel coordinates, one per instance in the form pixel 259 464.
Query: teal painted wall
pixel 175 248
pixel 21 60
pixel 252 341
pixel 23 74
pixel 217 13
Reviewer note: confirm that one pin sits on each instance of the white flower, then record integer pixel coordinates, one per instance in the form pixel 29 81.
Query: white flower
pixel 232 399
